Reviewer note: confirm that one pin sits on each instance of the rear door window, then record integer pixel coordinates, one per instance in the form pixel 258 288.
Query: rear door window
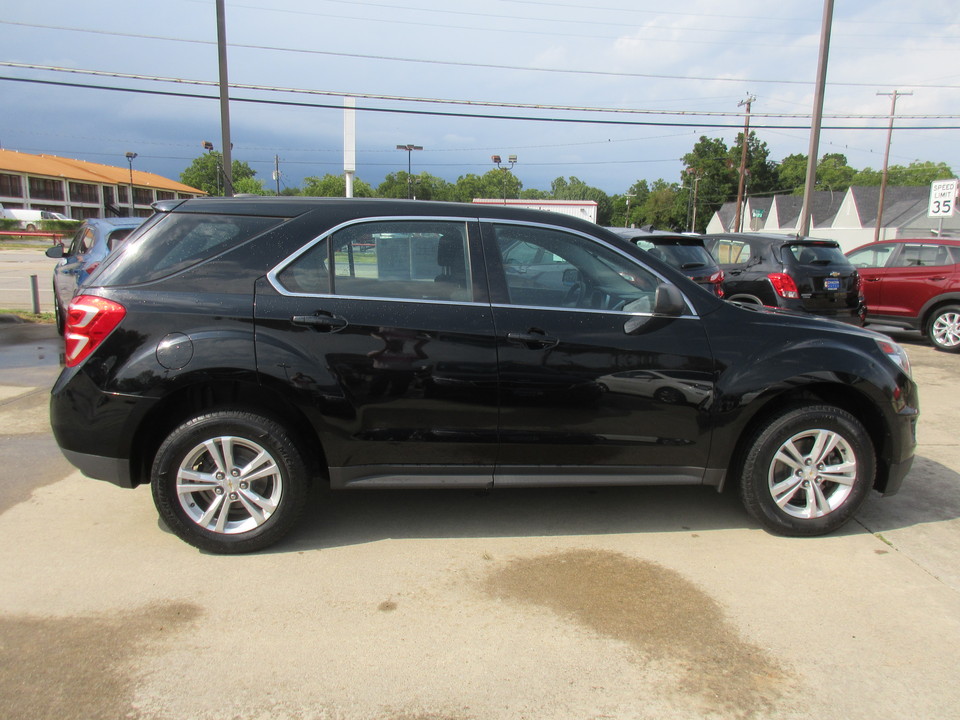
pixel 922 255
pixel 731 252
pixel 398 259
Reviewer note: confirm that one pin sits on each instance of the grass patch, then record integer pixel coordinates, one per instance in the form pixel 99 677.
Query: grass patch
pixel 44 317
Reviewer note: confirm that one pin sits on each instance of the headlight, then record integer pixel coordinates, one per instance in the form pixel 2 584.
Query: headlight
pixel 896 353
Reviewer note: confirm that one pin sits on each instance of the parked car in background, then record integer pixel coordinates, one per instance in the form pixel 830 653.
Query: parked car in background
pixel 913 284
pixel 93 241
pixel 803 274
pixel 684 252
pixel 238 350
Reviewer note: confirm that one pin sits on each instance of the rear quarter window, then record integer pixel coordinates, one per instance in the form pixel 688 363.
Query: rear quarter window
pixel 180 240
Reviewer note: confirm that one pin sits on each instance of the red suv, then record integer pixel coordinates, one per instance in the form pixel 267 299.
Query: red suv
pixel 914 284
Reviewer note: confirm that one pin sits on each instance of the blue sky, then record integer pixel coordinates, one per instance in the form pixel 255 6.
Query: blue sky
pixel 691 56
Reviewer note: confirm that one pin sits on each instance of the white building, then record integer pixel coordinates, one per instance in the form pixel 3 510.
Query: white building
pixel 848 217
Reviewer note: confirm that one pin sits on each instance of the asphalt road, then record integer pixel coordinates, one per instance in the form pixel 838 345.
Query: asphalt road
pixel 17 267
pixel 621 603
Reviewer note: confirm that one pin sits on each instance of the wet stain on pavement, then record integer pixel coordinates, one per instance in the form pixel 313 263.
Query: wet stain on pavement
pixel 78 668
pixel 658 612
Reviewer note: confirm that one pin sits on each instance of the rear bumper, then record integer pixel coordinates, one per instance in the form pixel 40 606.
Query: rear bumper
pixel 98 467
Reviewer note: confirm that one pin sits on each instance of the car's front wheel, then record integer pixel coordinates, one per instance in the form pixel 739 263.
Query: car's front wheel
pixel 230 482
pixel 944 329
pixel 808 470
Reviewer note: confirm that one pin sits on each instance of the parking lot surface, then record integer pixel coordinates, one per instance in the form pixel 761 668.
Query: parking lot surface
pixel 452 605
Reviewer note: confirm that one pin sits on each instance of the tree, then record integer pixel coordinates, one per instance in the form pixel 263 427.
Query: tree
pixel 576 189
pixel 334 186
pixel 833 173
pixel 205 173
pixel 250 186
pixel 664 207
pixel 717 183
pixel 916 174
pixel 626 208
pixel 761 173
pixel 423 186
pixel 495 183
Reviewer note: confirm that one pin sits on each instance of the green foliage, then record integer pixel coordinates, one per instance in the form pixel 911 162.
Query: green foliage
pixel 250 186
pixel 495 183
pixel 205 173
pixel 761 172
pixel 422 187
pixel 833 173
pixel 914 174
pixel 576 189
pixel 334 186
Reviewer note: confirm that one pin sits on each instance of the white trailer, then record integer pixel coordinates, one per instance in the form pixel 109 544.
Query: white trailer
pixel 585 209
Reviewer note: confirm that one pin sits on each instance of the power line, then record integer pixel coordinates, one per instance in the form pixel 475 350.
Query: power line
pixel 449 101
pixel 489 66
pixel 436 113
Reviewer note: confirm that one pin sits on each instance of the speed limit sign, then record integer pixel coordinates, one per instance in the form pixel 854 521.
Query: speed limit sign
pixel 943 198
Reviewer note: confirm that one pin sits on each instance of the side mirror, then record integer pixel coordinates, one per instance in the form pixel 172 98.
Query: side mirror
pixel 668 303
pixel 54 251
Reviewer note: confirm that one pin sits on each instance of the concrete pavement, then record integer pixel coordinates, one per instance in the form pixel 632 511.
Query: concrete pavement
pixel 616 603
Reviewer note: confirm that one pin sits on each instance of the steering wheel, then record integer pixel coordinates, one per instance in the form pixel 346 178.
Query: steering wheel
pixel 574 296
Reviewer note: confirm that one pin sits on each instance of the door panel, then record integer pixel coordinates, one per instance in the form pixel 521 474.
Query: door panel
pixel 579 395
pixel 403 389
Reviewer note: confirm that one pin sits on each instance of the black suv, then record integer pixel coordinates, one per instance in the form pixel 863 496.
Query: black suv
pixel 803 274
pixel 239 350
pixel 687 253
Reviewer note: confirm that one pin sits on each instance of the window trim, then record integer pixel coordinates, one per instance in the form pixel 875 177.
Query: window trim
pixel 691 310
pixel 273 279
pixel 272 275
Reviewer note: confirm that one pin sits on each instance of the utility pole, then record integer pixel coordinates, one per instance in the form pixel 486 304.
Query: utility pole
pixel 276 172
pixel 886 159
pixel 224 101
pixel 738 220
pixel 803 228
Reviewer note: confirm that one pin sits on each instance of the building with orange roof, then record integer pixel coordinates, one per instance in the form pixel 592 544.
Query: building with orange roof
pixel 81 189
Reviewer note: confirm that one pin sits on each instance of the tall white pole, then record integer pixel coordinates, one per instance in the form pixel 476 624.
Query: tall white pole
pixel 349 143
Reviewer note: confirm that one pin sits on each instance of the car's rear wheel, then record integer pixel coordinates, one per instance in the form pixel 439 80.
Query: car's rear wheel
pixel 59 313
pixel 944 328
pixel 808 470
pixel 230 482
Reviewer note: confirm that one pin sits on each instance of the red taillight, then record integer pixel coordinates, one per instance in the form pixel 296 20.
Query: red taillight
pixel 717 281
pixel 783 285
pixel 90 320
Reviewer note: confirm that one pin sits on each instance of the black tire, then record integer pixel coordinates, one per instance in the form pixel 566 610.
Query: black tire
pixel 258 511
pixel 819 487
pixel 30 228
pixel 59 313
pixel 943 329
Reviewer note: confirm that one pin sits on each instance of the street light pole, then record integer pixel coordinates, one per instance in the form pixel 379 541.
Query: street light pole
pixel 208 146
pixel 409 148
pixel 130 157
pixel 512 159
